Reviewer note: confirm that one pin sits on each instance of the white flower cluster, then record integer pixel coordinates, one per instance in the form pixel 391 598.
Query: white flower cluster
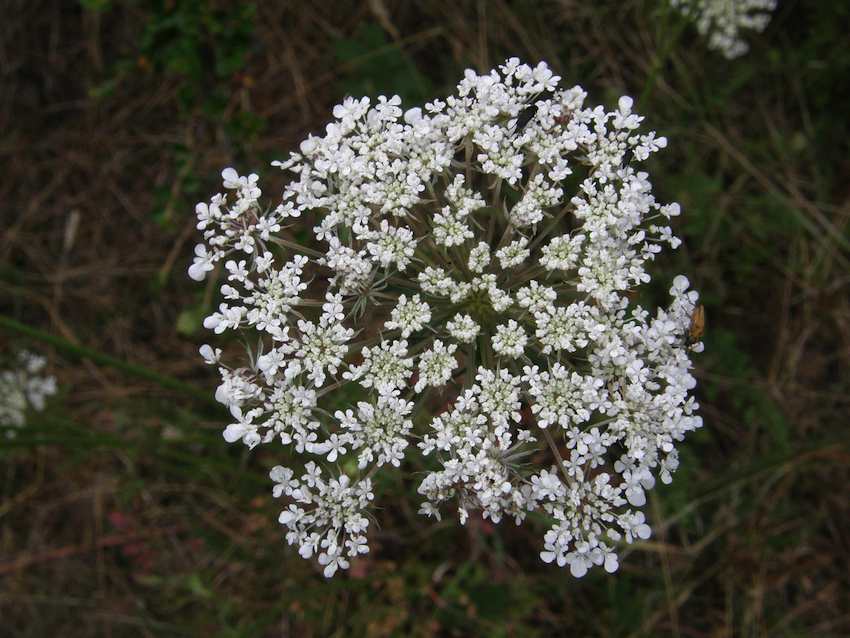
pixel 480 253
pixel 325 517
pixel 723 20
pixel 24 388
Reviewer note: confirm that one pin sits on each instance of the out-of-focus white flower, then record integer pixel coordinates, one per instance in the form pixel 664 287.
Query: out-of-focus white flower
pixel 24 387
pixel 723 20
pixel 450 258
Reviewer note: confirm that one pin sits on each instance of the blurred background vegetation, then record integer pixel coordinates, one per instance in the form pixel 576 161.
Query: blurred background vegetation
pixel 122 510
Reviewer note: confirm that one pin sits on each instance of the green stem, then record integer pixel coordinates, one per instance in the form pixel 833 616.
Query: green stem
pixel 297 247
pixel 554 448
pixel 661 60
pixel 553 224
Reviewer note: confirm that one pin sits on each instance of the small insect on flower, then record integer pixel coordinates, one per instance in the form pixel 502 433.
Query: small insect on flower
pixel 564 118
pixel 529 111
pixel 697 326
pixel 627 157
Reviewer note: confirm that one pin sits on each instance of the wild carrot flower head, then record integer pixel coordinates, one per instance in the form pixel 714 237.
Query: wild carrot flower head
pixel 24 387
pixel 722 21
pixel 456 282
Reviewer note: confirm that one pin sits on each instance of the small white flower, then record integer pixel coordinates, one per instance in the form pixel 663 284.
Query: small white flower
pixel 510 339
pixel 210 356
pixel 499 395
pixel 202 264
pixel 560 328
pixel 385 367
pixel 536 298
pixel 409 316
pixel 227 318
pixel 451 229
pixel 322 347
pixel 539 196
pixel 378 430
pixel 463 328
pixel 479 257
pixel 24 388
pixel 436 365
pixel 391 245
pixel 514 253
pixel 562 253
pixel 243 428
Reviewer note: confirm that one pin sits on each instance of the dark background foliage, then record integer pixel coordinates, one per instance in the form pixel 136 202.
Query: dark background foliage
pixel 123 511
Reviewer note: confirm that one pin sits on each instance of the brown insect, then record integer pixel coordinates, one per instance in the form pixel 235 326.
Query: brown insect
pixel 564 118
pixel 697 326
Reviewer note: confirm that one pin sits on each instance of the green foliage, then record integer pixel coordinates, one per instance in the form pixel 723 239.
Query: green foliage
pixel 204 47
pixel 374 66
pixel 95 5
pixel 199 42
